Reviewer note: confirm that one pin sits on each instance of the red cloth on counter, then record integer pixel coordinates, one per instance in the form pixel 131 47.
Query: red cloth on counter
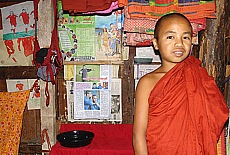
pixel 187 112
pixel 109 139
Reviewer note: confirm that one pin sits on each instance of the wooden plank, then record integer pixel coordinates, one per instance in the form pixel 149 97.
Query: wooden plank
pixel 61 95
pixel 100 62
pixel 128 88
pixel 31 123
pixel 18 72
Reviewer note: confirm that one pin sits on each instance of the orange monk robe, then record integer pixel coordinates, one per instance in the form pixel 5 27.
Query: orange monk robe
pixel 186 112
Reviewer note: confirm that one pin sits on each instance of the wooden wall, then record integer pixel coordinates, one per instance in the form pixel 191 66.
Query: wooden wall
pixel 213 50
pixel 215 46
pixel 125 73
pixel 31 128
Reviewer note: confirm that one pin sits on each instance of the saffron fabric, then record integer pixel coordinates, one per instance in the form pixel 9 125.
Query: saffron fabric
pixel 12 105
pixel 109 139
pixel 193 9
pixel 113 6
pixel 81 6
pixel 187 112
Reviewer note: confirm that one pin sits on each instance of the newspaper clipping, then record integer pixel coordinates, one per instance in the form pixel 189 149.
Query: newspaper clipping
pixel 116 108
pixel 93 95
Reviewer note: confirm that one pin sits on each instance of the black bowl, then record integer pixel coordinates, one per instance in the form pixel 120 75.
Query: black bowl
pixel 143 60
pixel 75 138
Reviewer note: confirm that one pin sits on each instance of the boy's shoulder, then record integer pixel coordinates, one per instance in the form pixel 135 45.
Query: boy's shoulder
pixel 150 79
pixel 154 75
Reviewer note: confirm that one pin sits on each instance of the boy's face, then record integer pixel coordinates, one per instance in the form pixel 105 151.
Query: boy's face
pixel 174 39
pixel 94 98
pixel 89 94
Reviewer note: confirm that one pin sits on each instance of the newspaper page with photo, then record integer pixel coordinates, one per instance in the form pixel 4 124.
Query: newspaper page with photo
pixel 116 106
pixel 91 89
pixel 70 100
pixel 115 101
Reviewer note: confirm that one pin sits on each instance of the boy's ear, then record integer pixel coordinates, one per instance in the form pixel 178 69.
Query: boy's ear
pixel 155 45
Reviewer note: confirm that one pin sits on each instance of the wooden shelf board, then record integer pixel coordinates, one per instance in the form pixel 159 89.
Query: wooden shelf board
pixel 100 62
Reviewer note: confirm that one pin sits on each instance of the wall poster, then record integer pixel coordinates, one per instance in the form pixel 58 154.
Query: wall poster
pixel 90 37
pixel 17 36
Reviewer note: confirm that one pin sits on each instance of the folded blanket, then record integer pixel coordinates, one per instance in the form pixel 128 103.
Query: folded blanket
pixel 187 112
pixel 193 9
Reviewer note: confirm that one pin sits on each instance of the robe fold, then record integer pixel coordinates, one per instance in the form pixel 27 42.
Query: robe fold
pixel 187 112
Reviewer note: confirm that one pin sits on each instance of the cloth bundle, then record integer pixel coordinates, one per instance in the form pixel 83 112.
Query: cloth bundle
pixel 141 17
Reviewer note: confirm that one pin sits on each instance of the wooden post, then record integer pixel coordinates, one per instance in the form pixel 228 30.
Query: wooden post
pixel 48 114
pixel 128 87
pixel 212 45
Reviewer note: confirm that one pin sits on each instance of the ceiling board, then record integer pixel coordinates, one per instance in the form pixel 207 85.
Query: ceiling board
pixel 4 3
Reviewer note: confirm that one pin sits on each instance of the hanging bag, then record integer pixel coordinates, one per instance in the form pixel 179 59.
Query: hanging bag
pixel 48 61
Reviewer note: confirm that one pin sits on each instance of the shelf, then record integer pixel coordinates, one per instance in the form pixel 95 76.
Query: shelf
pixel 152 63
pixel 100 62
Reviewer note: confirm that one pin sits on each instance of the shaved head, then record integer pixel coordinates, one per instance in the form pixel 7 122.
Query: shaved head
pixel 171 16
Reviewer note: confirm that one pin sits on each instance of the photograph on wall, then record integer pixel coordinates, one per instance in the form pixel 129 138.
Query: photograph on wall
pixel 17 35
pixel 147 52
pixel 87 73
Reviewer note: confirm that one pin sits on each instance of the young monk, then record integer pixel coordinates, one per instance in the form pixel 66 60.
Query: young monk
pixel 179 109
